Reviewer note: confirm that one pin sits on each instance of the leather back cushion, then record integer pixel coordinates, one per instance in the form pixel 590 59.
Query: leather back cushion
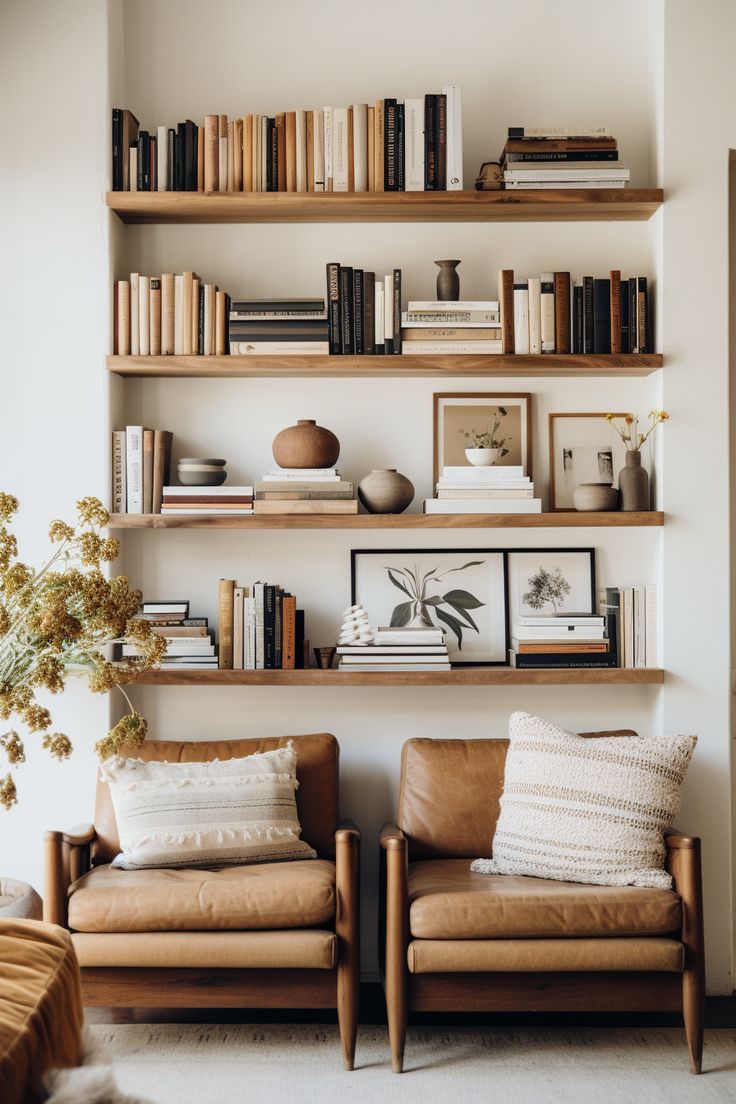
pixel 450 794
pixel 316 799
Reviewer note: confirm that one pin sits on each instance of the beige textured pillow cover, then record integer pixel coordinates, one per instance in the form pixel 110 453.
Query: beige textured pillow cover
pixel 207 814
pixel 577 809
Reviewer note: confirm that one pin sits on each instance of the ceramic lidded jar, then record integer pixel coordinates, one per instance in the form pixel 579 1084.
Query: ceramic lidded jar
pixel 306 445
pixel 385 491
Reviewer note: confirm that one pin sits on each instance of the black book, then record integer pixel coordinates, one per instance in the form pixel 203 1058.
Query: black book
pixel 299 636
pixel 633 318
pixel 180 179
pixel 577 318
pixel 287 306
pixel 396 309
pixel 144 161
pixel 200 320
pixel 369 313
pixel 278 610
pixel 333 308
pixel 601 316
pixel 400 159
pixel 441 143
pixel 565 155
pixel 170 158
pixel 117 149
pixel 532 660
pixel 279 329
pixel 588 315
pixel 269 625
pixel 646 344
pixel 430 143
pixel 270 130
pixel 358 332
pixel 190 156
pixel 390 147
pixel 347 340
pixel 624 307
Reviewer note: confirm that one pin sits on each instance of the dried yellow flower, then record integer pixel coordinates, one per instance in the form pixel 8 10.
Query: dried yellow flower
pixel 59 745
pixel 60 530
pixel 15 578
pixel 8 505
pixel 12 745
pixel 4 620
pixel 8 548
pixel 130 731
pixel 110 549
pixel 36 717
pixel 8 792
pixel 50 673
pixel 92 511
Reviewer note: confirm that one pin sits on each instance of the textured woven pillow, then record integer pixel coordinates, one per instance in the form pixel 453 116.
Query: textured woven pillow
pixel 207 814
pixel 591 810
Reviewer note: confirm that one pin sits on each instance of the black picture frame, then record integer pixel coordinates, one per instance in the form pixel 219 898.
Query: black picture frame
pixel 590 552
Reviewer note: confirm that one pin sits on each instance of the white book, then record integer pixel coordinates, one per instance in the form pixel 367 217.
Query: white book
pixel 521 317
pixel 162 149
pixel 627 620
pixel 134 468
pixel 640 645
pixel 358 659
pixel 260 654
pixel 388 308
pixel 255 159
pixel 480 506
pixel 210 492
pixel 493 328
pixel 575 619
pixel 450 318
pixel 560 132
pixel 279 348
pixel 547 311
pixel 135 336
pixel 360 147
pixel 487 494
pixel 295 477
pixel 194 511
pixel 301 150
pixel 378 650
pixel 238 628
pixel 535 316
pixel 133 169
pixel 340 150
pixel 386 635
pixel 414 145
pixel 549 632
pixel 179 315
pixel 560 166
pixel 264 151
pixel 209 319
pixel 318 150
pixel 581 171
pixel 445 305
pixel 650 601
pixel 379 337
pixel 249 634
pixel 451 348
pixel 454 137
pixel 508 471
pixel 177 648
pixel 541 185
pixel 328 149
pixel 302 473
pixel 385 668
pixel 144 321
pixel 119 493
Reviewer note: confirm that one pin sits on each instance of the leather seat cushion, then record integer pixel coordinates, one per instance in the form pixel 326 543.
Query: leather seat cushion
pixel 230 950
pixel 448 901
pixel 233 898
pixel 455 956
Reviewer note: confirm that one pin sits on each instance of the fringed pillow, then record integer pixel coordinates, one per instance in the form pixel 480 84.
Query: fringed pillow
pixel 590 810
pixel 207 814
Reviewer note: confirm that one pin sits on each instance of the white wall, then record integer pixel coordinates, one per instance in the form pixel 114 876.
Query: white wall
pixel 186 58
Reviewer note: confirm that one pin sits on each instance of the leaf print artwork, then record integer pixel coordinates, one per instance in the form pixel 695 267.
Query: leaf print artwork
pixel 422 604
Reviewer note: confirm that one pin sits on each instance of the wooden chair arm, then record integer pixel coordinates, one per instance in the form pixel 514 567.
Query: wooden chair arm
pixel 80 836
pixel 66 858
pixel 675 838
pixel 392 838
pixel 347 832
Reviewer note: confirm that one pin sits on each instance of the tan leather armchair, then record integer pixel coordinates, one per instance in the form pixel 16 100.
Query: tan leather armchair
pixel 456 941
pixel 269 935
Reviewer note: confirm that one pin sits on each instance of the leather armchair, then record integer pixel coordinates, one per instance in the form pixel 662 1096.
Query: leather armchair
pixel 452 940
pixel 269 935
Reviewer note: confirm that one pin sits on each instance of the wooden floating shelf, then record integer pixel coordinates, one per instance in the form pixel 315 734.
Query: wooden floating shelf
pixel 351 367
pixel 567 519
pixel 459 676
pixel 543 205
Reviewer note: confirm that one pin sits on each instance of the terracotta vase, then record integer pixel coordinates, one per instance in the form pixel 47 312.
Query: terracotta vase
pixel 595 496
pixel 633 483
pixel 306 445
pixel 448 281
pixel 385 491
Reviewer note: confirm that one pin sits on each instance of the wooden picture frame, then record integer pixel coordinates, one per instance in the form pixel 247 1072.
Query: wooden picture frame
pixel 491 397
pixel 554 488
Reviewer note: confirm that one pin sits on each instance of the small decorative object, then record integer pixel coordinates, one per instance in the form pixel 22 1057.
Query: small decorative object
pixel 324 658
pixel 356 628
pixel 462 592
pixel 583 448
pixel 633 479
pixel 196 471
pixel 385 491
pixel 58 621
pixel 548 581
pixel 490 177
pixel 482 447
pixel 456 414
pixel 306 445
pixel 595 496
pixel 448 281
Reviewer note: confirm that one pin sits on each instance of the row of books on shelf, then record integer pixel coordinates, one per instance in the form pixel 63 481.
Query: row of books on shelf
pixel 169 315
pixel 190 643
pixel 491 490
pixel 397 649
pixel 260 628
pixel 562 157
pixel 553 313
pixel 141 469
pixel 388 146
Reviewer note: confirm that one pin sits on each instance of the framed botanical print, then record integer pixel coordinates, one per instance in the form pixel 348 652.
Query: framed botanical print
pixel 463 592
pixel 544 582
pixel 583 448
pixel 507 417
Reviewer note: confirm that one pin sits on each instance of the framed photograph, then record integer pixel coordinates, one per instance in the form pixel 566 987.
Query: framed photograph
pixel 583 448
pixel 461 591
pixel 543 582
pixel 456 414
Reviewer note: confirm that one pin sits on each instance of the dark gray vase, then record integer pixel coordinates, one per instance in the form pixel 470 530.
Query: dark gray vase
pixel 633 483
pixel 448 281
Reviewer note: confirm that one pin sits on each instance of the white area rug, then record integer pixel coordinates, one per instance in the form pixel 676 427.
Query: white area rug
pixel 301 1064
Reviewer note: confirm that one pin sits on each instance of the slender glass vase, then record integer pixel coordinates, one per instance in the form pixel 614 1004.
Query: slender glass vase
pixel 633 483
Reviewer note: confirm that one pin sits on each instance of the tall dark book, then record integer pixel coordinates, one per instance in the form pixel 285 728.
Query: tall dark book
pixel 588 315
pixel 347 336
pixel 624 308
pixel 333 308
pixel 633 317
pixel 369 313
pixel 442 143
pixel 190 156
pixel 396 309
pixel 278 628
pixel 358 318
pixel 506 304
pixel 170 158
pixel 577 318
pixel 400 136
pixel 269 626
pixel 615 310
pixel 562 312
pixel 144 161
pixel 565 155
pixel 124 135
pixel 549 660
pixel 601 316
pixel 646 345
pixel 390 147
pixel 180 161
pixel 200 320
pixel 299 641
pixel 430 143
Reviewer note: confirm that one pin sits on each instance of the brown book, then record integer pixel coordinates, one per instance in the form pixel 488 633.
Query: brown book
pixel 162 441
pixel 289 486
pixel 186 318
pixel 195 316
pixel 211 153
pixel 506 305
pixel 221 323
pixel 452 333
pixel 238 155
pixel 154 315
pixel 280 124
pixel 554 145
pixel 231 156
pixel 147 471
pixel 291 151
pixel 181 631
pixel 222 147
pixel 129 138
pixel 378 140
pixel 371 149
pixel 585 647
pixel 288 632
pixel 207 500
pixel 226 600
pixel 167 314
pixel 562 312
pixel 200 159
pixel 301 496
pixel 324 506
pixel 615 275
pixel 351 151
pixel 121 327
pixel 310 151
pixel 247 153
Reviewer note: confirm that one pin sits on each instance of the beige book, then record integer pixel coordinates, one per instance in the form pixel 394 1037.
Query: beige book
pixel 331 506
pixel 167 314
pixel 162 440
pixel 318 139
pixel 371 141
pixel 225 623
pixel 238 155
pixel 211 153
pixel 247 153
pixel 133 169
pixel 222 145
pixel 310 151
pixel 179 315
pixel 231 156
pixel 144 325
pixel 209 319
pixel 301 150
pixel 147 471
pixel 220 323
pixel 135 341
pixel 122 318
pixel 238 596
pixel 291 151
pixel 187 281
pixel 200 159
pixel 154 312
pixel 360 147
pixel 195 316
pixel 256 153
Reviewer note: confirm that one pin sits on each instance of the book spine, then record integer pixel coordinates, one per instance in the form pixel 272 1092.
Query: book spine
pixel 200 318
pixel 639 627
pixel 369 317
pixel 258 592
pixel 562 312
pixel 430 143
pixel 222 152
pixel 642 315
pixel 247 171
pixel 378 145
pixel 144 324
pixel 135 337
pixel 577 317
pixel 400 151
pixel 360 146
pixel 650 630
pixel 117 149
pixel 601 316
pixel 134 468
pixel 147 471
pixel 194 320
pixel 390 167
pixel 627 614
pixel 615 310
pixel 269 653
pixel 167 314
pixel 340 150
pixel 441 143
pixel 396 307
pixel 539 660
pixel 221 323
pixel 588 327
pixel 319 151
pixel 310 151
pixel 155 317
pixel 453 93
pixel 301 649
pixel 624 308
pixel 278 642
pixel 225 608
pixel 414 145
pixel 121 330
pixel 535 316
pixel 288 633
pixel 328 148
pixel 159 459
pixel 633 316
pixel 333 308
pixel 506 304
pixel 237 155
pixel 521 317
pixel 388 314
pixel 119 495
pixel 358 311
pixel 346 310
pixel 379 346
pixel 238 628
pixel 133 169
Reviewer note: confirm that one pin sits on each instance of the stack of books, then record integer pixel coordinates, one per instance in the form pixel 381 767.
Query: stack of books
pixel 363 311
pixel 554 313
pixel 260 628
pixel 189 641
pixel 285 327
pixel 564 640
pixel 397 649
pixel 169 315
pixel 305 491
pixel 141 466
pixel 388 146
pixel 491 490
pixel 435 327
pixel 562 157
pixel 207 501
pixel 635 610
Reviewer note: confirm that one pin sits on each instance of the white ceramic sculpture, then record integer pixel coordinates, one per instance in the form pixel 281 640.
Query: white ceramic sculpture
pixel 356 628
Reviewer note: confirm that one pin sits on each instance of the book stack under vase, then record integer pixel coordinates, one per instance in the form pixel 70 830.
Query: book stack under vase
pixel 189 641
pixel 169 315
pixel 397 649
pixel 207 501
pixel 141 466
pixel 562 157
pixel 562 640
pixel 443 328
pixel 278 326
pixel 484 490
pixel 305 491
pixel 260 628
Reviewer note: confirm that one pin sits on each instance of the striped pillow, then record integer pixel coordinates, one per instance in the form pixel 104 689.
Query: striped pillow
pixel 590 810
pixel 206 814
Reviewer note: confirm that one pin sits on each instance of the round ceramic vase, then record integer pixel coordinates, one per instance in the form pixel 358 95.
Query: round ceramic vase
pixel 385 491
pixel 595 496
pixel 201 471
pixel 482 457
pixel 306 445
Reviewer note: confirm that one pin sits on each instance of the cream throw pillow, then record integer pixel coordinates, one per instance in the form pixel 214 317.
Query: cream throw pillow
pixel 591 810
pixel 206 814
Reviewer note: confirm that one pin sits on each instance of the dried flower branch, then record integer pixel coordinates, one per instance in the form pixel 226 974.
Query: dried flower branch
pixel 633 439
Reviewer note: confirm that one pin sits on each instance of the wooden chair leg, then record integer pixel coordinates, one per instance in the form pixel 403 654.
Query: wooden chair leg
pixel 693 1002
pixel 348 1000
pixel 397 1018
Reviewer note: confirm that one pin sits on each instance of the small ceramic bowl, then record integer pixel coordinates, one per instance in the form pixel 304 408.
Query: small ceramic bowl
pixel 201 472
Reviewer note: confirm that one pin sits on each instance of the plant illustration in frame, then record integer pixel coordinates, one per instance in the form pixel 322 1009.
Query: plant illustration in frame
pixel 547 588
pixel 421 604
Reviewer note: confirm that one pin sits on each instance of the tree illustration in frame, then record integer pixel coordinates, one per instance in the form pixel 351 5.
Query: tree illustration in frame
pixel 547 587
